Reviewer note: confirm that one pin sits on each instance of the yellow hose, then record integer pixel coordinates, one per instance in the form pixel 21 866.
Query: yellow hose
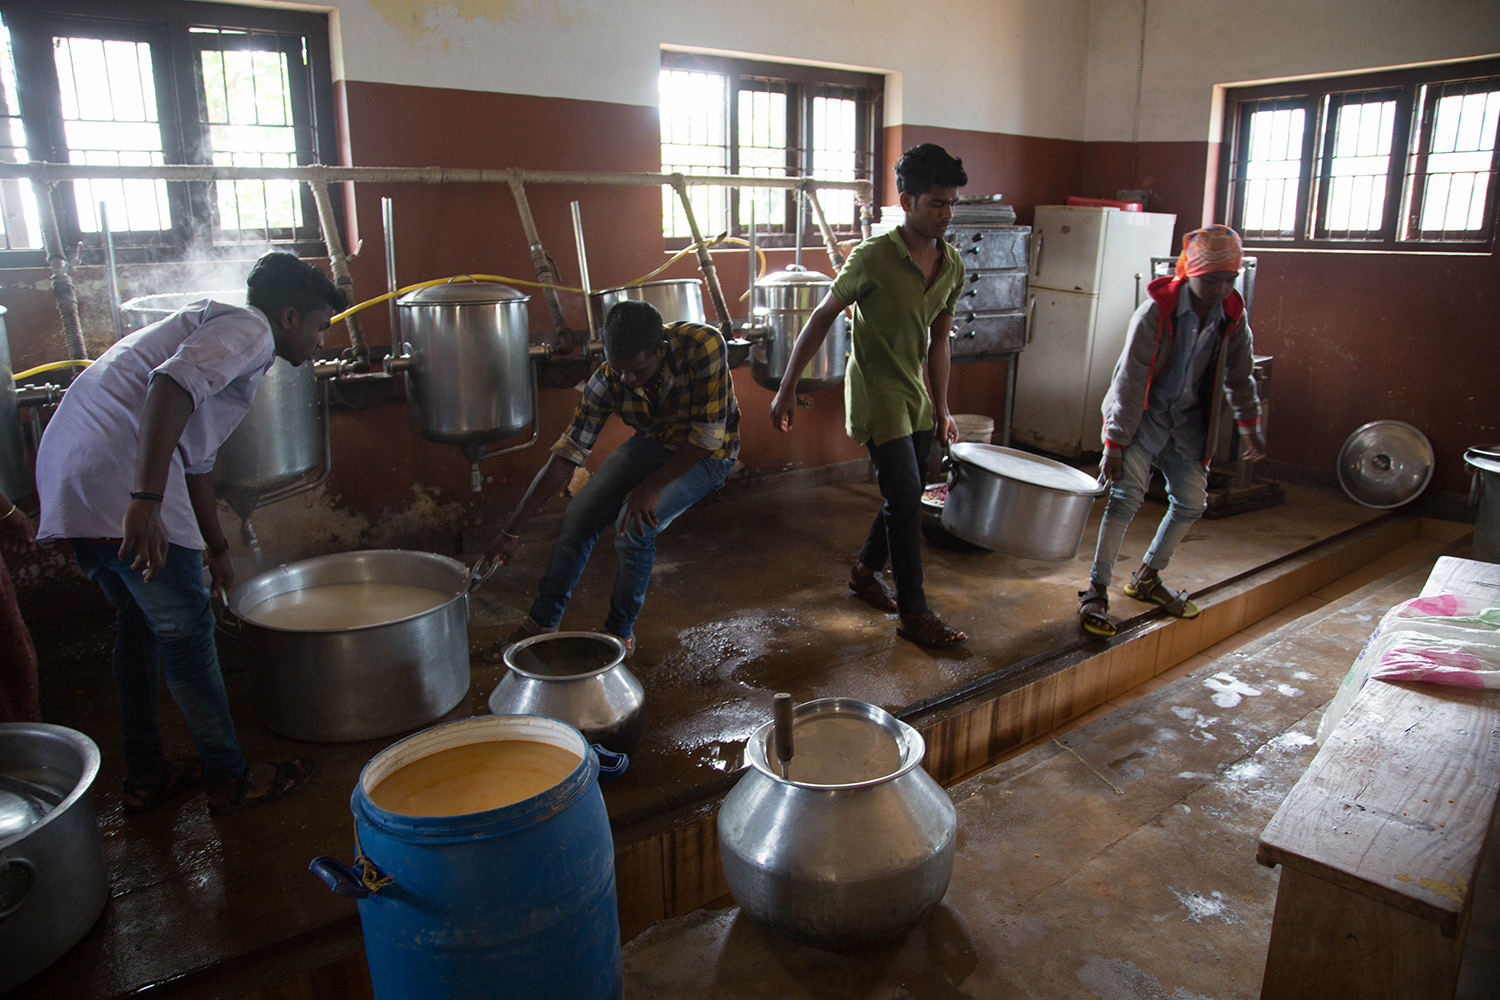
pixel 53 366
pixel 760 256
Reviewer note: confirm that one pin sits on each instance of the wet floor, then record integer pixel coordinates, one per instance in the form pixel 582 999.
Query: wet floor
pixel 748 598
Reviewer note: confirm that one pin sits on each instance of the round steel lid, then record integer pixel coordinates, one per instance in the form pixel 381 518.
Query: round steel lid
pixel 462 293
pixel 1385 463
pixel 1026 467
pixel 1486 457
pixel 794 275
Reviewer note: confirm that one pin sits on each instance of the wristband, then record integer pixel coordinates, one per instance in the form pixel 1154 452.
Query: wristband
pixel 502 531
pixel 220 549
pixel 146 495
pixel 9 512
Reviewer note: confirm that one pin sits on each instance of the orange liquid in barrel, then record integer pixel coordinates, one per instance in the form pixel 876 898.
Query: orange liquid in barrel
pixel 473 778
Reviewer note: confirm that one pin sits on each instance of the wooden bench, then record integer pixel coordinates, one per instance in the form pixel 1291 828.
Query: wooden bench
pixel 1380 841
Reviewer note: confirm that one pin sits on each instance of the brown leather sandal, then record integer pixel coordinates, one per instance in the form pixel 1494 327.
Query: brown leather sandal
pixel 871 590
pixel 927 629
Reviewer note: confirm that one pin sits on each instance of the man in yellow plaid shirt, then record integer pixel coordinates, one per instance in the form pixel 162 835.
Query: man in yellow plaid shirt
pixel 671 385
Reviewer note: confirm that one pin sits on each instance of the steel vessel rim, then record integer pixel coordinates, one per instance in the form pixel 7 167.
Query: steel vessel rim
pixel 1096 490
pixel 604 637
pixel 238 610
pixel 462 826
pixel 88 750
pixel 659 283
pixel 913 746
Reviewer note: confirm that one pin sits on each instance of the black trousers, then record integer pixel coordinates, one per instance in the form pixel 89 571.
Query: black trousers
pixel 896 534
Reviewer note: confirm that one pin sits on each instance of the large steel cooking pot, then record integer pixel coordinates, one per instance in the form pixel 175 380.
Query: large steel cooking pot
pixel 347 684
pixel 839 864
pixel 53 879
pixel 15 471
pixel 1016 502
pixel 1484 495
pixel 677 299
pixel 788 298
pixel 469 383
pixel 578 677
pixel 278 442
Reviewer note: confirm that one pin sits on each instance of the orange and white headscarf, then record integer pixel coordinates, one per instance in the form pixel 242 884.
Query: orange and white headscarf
pixel 1212 248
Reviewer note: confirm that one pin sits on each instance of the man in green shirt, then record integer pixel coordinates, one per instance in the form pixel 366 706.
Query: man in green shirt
pixel 903 287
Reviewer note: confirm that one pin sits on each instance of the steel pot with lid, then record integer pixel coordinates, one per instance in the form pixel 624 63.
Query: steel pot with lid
pixel 356 645
pixel 1484 495
pixel 855 846
pixel 788 298
pixel 578 677
pixel 469 381
pixel 677 299
pixel 1016 502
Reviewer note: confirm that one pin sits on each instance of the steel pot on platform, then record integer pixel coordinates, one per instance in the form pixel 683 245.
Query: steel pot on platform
pixel 851 850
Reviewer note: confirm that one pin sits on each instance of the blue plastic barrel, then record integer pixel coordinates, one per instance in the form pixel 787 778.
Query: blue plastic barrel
pixel 508 903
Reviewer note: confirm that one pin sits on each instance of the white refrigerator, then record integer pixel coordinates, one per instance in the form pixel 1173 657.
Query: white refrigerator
pixel 1089 269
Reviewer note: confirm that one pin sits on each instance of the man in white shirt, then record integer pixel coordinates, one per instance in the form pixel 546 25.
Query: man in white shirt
pixel 125 474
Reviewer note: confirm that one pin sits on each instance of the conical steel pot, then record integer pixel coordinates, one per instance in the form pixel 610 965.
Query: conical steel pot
pixel 578 677
pixel 839 866
pixel 787 299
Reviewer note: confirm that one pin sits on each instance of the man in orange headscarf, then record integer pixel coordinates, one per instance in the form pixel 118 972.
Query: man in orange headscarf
pixel 1187 342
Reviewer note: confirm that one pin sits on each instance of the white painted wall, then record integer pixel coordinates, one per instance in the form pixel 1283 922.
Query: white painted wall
pixel 1052 68
pixel 1012 66
pixel 1194 45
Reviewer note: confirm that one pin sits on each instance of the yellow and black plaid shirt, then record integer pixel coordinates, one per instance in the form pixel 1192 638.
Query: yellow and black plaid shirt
pixel 693 403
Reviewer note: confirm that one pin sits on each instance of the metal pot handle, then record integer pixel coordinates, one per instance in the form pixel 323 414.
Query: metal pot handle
pixel 346 880
pixel 15 896
pixel 611 764
pixel 482 571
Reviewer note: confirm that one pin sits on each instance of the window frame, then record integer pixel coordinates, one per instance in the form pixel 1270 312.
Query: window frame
pixel 181 114
pixel 1406 175
pixel 806 83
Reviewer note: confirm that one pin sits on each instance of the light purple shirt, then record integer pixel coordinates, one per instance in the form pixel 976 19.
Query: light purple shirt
pixel 85 466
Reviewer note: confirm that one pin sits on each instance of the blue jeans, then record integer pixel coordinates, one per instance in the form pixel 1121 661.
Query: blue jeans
pixel 1187 493
pixel 599 505
pixel 167 622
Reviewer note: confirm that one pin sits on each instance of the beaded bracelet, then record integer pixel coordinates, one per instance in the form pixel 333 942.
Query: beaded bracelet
pixel 146 495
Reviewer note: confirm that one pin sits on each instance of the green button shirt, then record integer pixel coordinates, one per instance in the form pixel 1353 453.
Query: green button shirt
pixel 885 397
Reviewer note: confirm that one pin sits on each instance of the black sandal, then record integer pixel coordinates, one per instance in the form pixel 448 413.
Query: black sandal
pixel 170 779
pixel 927 629
pixel 871 590
pixel 1093 612
pixel 231 798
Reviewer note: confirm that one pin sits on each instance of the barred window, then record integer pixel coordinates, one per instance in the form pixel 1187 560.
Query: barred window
pixel 178 83
pixel 1404 160
pixel 734 116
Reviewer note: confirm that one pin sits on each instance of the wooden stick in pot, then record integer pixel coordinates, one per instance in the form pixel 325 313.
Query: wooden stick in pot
pixel 781 729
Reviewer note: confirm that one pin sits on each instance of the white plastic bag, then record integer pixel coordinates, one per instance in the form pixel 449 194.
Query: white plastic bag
pixel 1446 639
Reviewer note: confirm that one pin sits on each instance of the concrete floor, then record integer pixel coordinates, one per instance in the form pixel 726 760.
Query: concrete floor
pixel 749 599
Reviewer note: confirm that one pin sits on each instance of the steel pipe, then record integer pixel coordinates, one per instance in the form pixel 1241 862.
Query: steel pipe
pixel 338 262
